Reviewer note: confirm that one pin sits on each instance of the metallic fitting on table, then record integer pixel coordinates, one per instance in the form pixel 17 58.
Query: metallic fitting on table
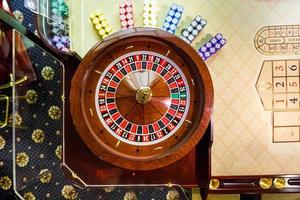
pixel 214 184
pixel 265 183
pixel 279 183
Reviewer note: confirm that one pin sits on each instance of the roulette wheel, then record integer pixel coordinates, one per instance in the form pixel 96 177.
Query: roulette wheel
pixel 141 99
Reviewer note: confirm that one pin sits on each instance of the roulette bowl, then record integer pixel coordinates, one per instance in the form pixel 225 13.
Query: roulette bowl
pixel 141 99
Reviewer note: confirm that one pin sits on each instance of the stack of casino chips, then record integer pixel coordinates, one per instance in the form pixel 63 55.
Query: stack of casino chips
pixel 211 47
pixel 192 31
pixel 60 29
pixel 149 13
pixel 173 18
pixel 59 26
pixel 100 24
pixel 126 14
pixel 59 8
pixel 61 42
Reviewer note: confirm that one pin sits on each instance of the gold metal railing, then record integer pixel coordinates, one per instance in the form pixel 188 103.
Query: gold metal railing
pixel 4 122
pixel 11 83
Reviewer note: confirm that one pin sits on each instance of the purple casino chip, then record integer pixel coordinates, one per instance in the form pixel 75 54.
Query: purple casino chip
pixel 219 36
pixel 212 50
pixel 208 45
pixel 207 54
pixel 222 41
pixel 64 39
pixel 55 38
pixel 59 45
pixel 203 49
pixel 218 46
pixel 214 41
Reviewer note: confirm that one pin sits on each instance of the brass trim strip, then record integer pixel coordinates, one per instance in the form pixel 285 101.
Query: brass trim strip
pixel 4 123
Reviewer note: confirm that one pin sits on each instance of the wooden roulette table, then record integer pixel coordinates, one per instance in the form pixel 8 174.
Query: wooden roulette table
pixel 249 150
pixel 141 101
pixel 255 148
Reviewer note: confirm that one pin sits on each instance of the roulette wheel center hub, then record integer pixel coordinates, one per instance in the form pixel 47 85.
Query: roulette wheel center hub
pixel 144 95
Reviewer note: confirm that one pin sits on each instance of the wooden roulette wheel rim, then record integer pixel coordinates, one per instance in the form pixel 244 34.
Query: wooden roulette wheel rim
pixel 141 123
